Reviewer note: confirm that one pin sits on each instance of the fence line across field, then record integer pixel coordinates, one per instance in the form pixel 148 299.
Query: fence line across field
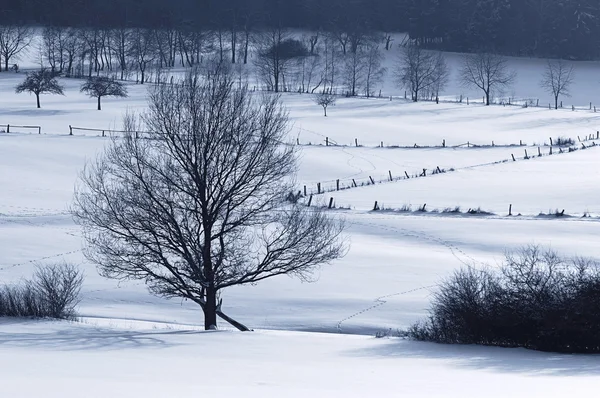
pixel 322 188
pixel 6 128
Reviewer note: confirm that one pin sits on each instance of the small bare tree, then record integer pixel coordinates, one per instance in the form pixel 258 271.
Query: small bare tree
pixel 488 72
pixel 200 205
pixel 101 86
pixel 325 99
pixel 557 79
pixel 421 71
pixel 13 40
pixel 40 82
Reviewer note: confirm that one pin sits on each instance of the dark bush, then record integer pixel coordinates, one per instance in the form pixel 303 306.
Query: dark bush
pixel 53 292
pixel 287 49
pixel 536 299
pixel 563 141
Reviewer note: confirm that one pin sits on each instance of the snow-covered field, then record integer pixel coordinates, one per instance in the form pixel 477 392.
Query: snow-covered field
pixel 312 339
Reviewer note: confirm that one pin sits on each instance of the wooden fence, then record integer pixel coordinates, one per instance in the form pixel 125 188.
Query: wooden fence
pixel 6 128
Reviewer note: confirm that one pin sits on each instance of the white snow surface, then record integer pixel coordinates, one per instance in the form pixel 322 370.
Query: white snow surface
pixel 311 339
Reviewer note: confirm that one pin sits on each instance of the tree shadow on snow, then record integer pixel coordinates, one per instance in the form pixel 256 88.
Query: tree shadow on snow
pixel 507 360
pixel 73 338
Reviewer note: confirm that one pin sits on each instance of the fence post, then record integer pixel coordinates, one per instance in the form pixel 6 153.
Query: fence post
pixel 326 141
pixel 354 183
pixel 510 210
pixel 390 172
pixel 309 201
pixel 70 130
pixel 356 141
pixel 382 144
pixel 337 185
pixel 444 144
pixel 539 152
pixel 8 128
pixel 305 190
pixel 102 133
pixel 372 180
pixel 375 206
pixel 318 187
pixel 297 141
pixel 39 129
pixel 406 174
pixel 330 203
pixel 550 150
pixel 513 156
pixel 551 141
pixel 526 156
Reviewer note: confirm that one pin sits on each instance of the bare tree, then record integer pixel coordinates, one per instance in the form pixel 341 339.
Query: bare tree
pixel 13 40
pixel 40 82
pixel 488 72
pixel 72 47
pixel 440 77
pixel 143 46
pixel 332 61
pixel 420 71
pixel 277 52
pixel 120 47
pixel 200 205
pixel 100 86
pixel 325 99
pixel 52 42
pixel 557 79
pixel 374 72
pixel 354 71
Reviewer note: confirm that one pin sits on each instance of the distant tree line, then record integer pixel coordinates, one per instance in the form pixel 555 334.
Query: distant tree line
pixel 557 28
pixel 553 28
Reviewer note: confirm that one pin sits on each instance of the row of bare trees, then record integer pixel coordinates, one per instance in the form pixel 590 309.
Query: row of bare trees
pixel 120 52
pixel 319 61
pixel 426 73
pixel 326 63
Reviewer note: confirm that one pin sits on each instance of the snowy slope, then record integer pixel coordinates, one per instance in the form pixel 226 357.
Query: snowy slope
pixel 129 343
pixel 61 360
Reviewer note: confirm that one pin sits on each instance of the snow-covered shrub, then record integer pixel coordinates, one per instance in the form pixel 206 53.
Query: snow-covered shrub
pixel 536 299
pixel 53 292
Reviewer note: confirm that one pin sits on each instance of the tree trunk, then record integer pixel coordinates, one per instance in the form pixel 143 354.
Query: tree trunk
pixel 37 97
pixel 233 322
pixel 325 110
pixel 99 106
pixel 487 98
pixel 210 309
pixel 6 64
pixel 556 102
